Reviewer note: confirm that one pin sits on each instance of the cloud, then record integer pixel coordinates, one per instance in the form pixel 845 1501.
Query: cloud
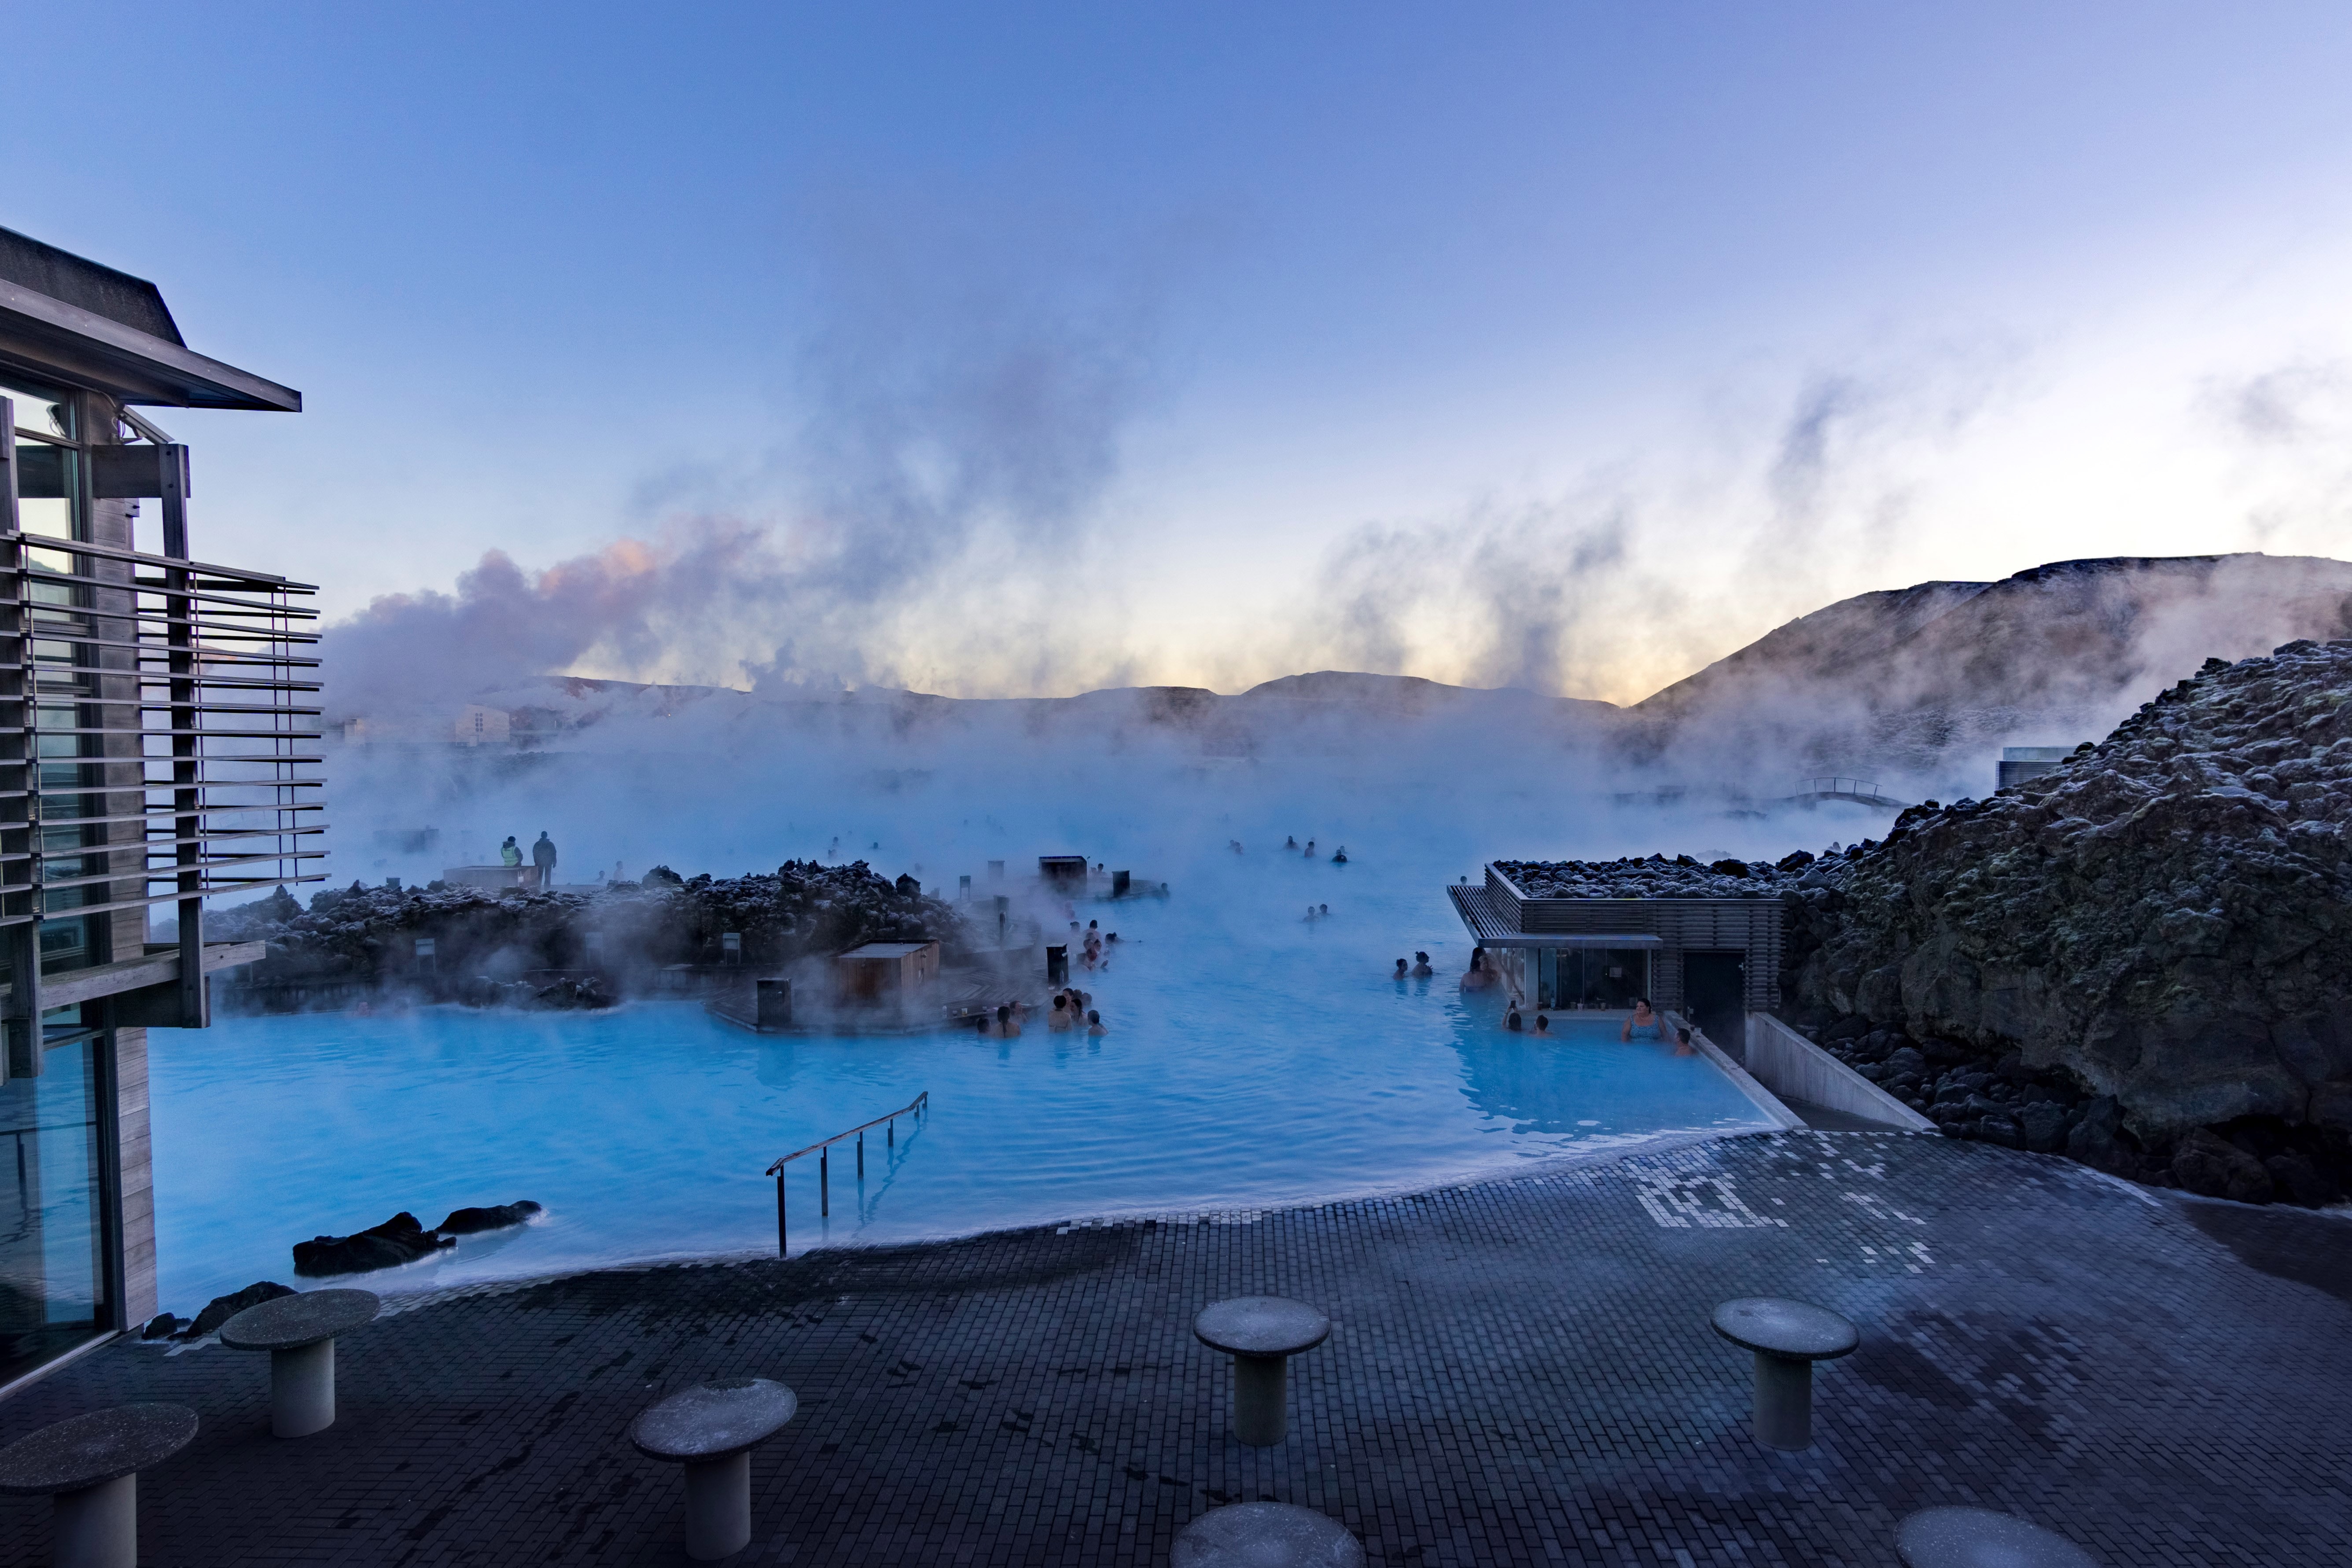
pixel 2287 431
pixel 1496 597
pixel 965 405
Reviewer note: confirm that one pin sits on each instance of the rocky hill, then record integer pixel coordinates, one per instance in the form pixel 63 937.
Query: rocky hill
pixel 2142 960
pixel 2160 929
pixel 1893 681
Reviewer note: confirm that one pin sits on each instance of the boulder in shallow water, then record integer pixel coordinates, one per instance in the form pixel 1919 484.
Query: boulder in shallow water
pixel 498 1216
pixel 398 1240
pixel 221 1309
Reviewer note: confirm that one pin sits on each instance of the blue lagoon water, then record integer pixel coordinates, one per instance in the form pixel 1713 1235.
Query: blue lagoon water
pixel 1255 1058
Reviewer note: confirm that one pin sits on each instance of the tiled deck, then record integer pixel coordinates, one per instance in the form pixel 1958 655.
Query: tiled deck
pixel 1519 1373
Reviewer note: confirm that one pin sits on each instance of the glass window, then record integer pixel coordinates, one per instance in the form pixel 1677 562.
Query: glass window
pixel 48 476
pixel 1607 977
pixel 53 1242
pixel 49 489
pixel 41 410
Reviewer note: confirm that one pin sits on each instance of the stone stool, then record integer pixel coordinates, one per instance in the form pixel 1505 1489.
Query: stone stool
pixel 89 1466
pixel 1261 1334
pixel 1787 1337
pixel 711 1429
pixel 1979 1538
pixel 1266 1535
pixel 298 1332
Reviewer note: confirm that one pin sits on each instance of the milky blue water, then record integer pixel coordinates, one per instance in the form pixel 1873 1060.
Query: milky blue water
pixel 1254 1059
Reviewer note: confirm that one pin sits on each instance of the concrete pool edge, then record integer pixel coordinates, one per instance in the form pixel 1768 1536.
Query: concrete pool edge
pixel 397 1302
pixel 1741 1078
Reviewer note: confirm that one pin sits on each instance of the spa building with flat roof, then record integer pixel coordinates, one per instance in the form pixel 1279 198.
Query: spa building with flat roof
pixel 159 746
pixel 1714 957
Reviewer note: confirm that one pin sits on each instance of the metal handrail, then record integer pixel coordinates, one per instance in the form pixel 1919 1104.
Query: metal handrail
pixel 915 1107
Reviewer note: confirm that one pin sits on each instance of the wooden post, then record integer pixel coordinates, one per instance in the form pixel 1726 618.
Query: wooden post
pixel 188 823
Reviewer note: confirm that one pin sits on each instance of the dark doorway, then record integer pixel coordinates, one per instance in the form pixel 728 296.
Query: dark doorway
pixel 1714 993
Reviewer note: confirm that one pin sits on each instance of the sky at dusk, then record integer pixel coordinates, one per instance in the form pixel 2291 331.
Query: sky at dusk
pixel 1021 349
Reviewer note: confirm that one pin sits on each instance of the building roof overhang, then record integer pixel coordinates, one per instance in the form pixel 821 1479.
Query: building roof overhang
pixel 887 948
pixel 51 338
pixel 1492 929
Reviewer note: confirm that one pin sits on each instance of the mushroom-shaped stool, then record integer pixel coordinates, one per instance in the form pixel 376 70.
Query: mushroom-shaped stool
pixel 89 1466
pixel 1979 1538
pixel 711 1429
pixel 1261 1334
pixel 1266 1535
pixel 1787 1337
pixel 298 1332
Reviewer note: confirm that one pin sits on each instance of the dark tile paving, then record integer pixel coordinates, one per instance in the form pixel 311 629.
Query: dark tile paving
pixel 1519 1371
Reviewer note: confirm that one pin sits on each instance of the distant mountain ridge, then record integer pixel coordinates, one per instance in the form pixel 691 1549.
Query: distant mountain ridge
pixel 2058 653
pixel 1888 681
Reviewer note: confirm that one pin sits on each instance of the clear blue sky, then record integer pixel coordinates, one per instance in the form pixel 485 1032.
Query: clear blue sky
pixel 1257 326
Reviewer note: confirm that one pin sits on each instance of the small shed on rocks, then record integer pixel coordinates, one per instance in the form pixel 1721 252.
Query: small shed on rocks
pixel 885 970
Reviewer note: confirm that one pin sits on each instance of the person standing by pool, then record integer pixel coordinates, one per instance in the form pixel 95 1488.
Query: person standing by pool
pixel 1642 1025
pixel 542 856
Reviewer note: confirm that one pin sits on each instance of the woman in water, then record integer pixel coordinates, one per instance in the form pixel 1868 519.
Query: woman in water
pixel 1421 969
pixel 1060 1018
pixel 1479 977
pixel 1511 1021
pixel 1095 1023
pixel 1008 1028
pixel 1399 973
pixel 1643 1024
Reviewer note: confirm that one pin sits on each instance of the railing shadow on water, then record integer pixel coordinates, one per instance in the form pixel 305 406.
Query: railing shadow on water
pixel 915 1109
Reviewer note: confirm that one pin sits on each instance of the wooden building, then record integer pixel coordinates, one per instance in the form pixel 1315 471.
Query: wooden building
pixel 159 743
pixel 1714 960
pixel 886 971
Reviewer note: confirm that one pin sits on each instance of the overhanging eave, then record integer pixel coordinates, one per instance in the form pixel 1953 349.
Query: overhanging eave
pixel 88 350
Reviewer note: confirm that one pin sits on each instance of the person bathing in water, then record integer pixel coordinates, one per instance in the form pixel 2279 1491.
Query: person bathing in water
pixel 1400 971
pixel 1059 1018
pixel 1643 1024
pixel 1095 1024
pixel 1543 1024
pixel 1421 969
pixel 1683 1046
pixel 1511 1021
pixel 1479 976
